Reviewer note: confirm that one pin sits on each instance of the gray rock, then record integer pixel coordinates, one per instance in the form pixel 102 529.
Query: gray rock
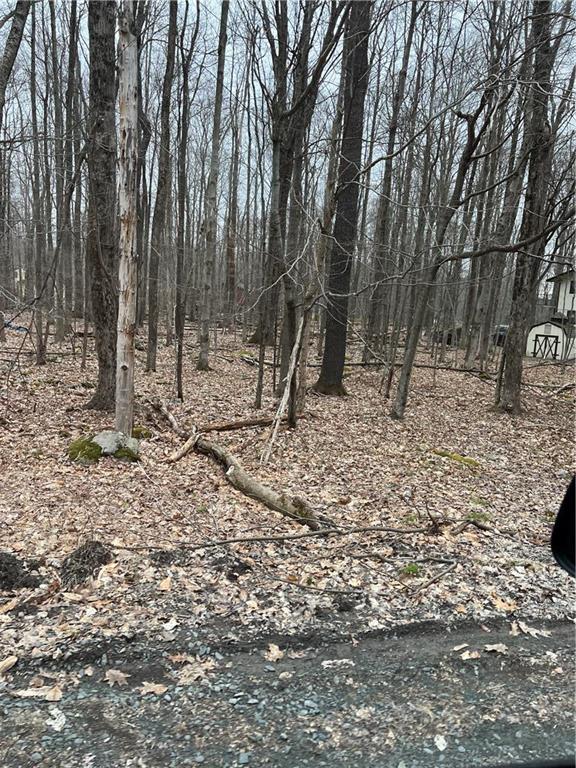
pixel 111 441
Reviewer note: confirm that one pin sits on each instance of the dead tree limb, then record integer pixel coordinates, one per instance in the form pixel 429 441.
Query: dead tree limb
pixel 436 578
pixel 229 426
pixel 289 506
pixel 564 388
pixel 266 453
pixel 272 539
pixel 184 449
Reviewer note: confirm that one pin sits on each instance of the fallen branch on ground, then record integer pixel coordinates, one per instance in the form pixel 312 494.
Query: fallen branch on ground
pixel 290 506
pixel 223 426
pixel 279 417
pixel 564 388
pixel 323 533
pixel 229 426
pixel 435 578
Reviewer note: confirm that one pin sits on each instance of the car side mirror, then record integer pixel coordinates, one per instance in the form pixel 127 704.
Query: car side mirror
pixel 563 543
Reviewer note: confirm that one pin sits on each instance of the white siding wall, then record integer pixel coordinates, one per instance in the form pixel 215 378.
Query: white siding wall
pixel 565 298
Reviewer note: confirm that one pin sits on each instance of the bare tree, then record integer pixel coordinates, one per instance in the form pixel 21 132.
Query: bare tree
pixel 102 235
pixel 346 218
pixel 211 212
pixel 127 202
pixel 162 192
pixel 534 217
pixel 6 65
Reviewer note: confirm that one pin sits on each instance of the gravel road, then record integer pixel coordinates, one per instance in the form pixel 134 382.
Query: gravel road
pixel 404 699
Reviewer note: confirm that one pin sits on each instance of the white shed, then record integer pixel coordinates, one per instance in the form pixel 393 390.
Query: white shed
pixel 552 340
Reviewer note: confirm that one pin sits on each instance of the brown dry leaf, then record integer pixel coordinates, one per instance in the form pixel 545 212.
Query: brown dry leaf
pixel 196 670
pixel 5 607
pixel 45 692
pixel 155 688
pixel 165 585
pixel 180 658
pixel 496 648
pixel 532 631
pixel 7 664
pixel 502 605
pixel 115 677
pixel 470 655
pixel 273 653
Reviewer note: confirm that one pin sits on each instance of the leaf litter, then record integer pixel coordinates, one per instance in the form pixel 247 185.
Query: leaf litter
pixel 467 542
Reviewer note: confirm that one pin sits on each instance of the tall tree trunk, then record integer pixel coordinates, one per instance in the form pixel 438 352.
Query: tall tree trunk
pixel 102 239
pixel 39 238
pixel 232 226
pixel 211 213
pixel 127 200
pixel 182 182
pixel 534 216
pixel 6 65
pixel 382 233
pixel 58 175
pixel 346 219
pixel 162 192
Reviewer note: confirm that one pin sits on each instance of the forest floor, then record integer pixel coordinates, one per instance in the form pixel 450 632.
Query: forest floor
pixel 347 458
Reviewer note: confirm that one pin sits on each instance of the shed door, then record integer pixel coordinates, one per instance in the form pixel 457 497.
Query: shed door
pixel 545 345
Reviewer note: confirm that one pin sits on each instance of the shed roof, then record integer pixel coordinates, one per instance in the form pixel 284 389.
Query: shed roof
pixel 548 322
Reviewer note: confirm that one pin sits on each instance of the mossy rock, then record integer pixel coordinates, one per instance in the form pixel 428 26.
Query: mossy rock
pixel 469 462
pixel 141 433
pixel 84 451
pixel 126 454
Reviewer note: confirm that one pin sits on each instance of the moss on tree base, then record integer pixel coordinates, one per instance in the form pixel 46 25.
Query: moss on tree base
pixel 141 433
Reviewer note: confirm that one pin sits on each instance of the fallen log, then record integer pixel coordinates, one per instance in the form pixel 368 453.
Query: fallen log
pixel 293 507
pixel 224 426
pixel 290 506
pixel 229 426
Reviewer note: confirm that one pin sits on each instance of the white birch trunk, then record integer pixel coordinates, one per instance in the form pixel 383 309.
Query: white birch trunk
pixel 127 194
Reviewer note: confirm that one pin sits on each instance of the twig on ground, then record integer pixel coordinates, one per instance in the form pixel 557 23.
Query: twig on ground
pixel 324 533
pixel 326 590
pixel 435 578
